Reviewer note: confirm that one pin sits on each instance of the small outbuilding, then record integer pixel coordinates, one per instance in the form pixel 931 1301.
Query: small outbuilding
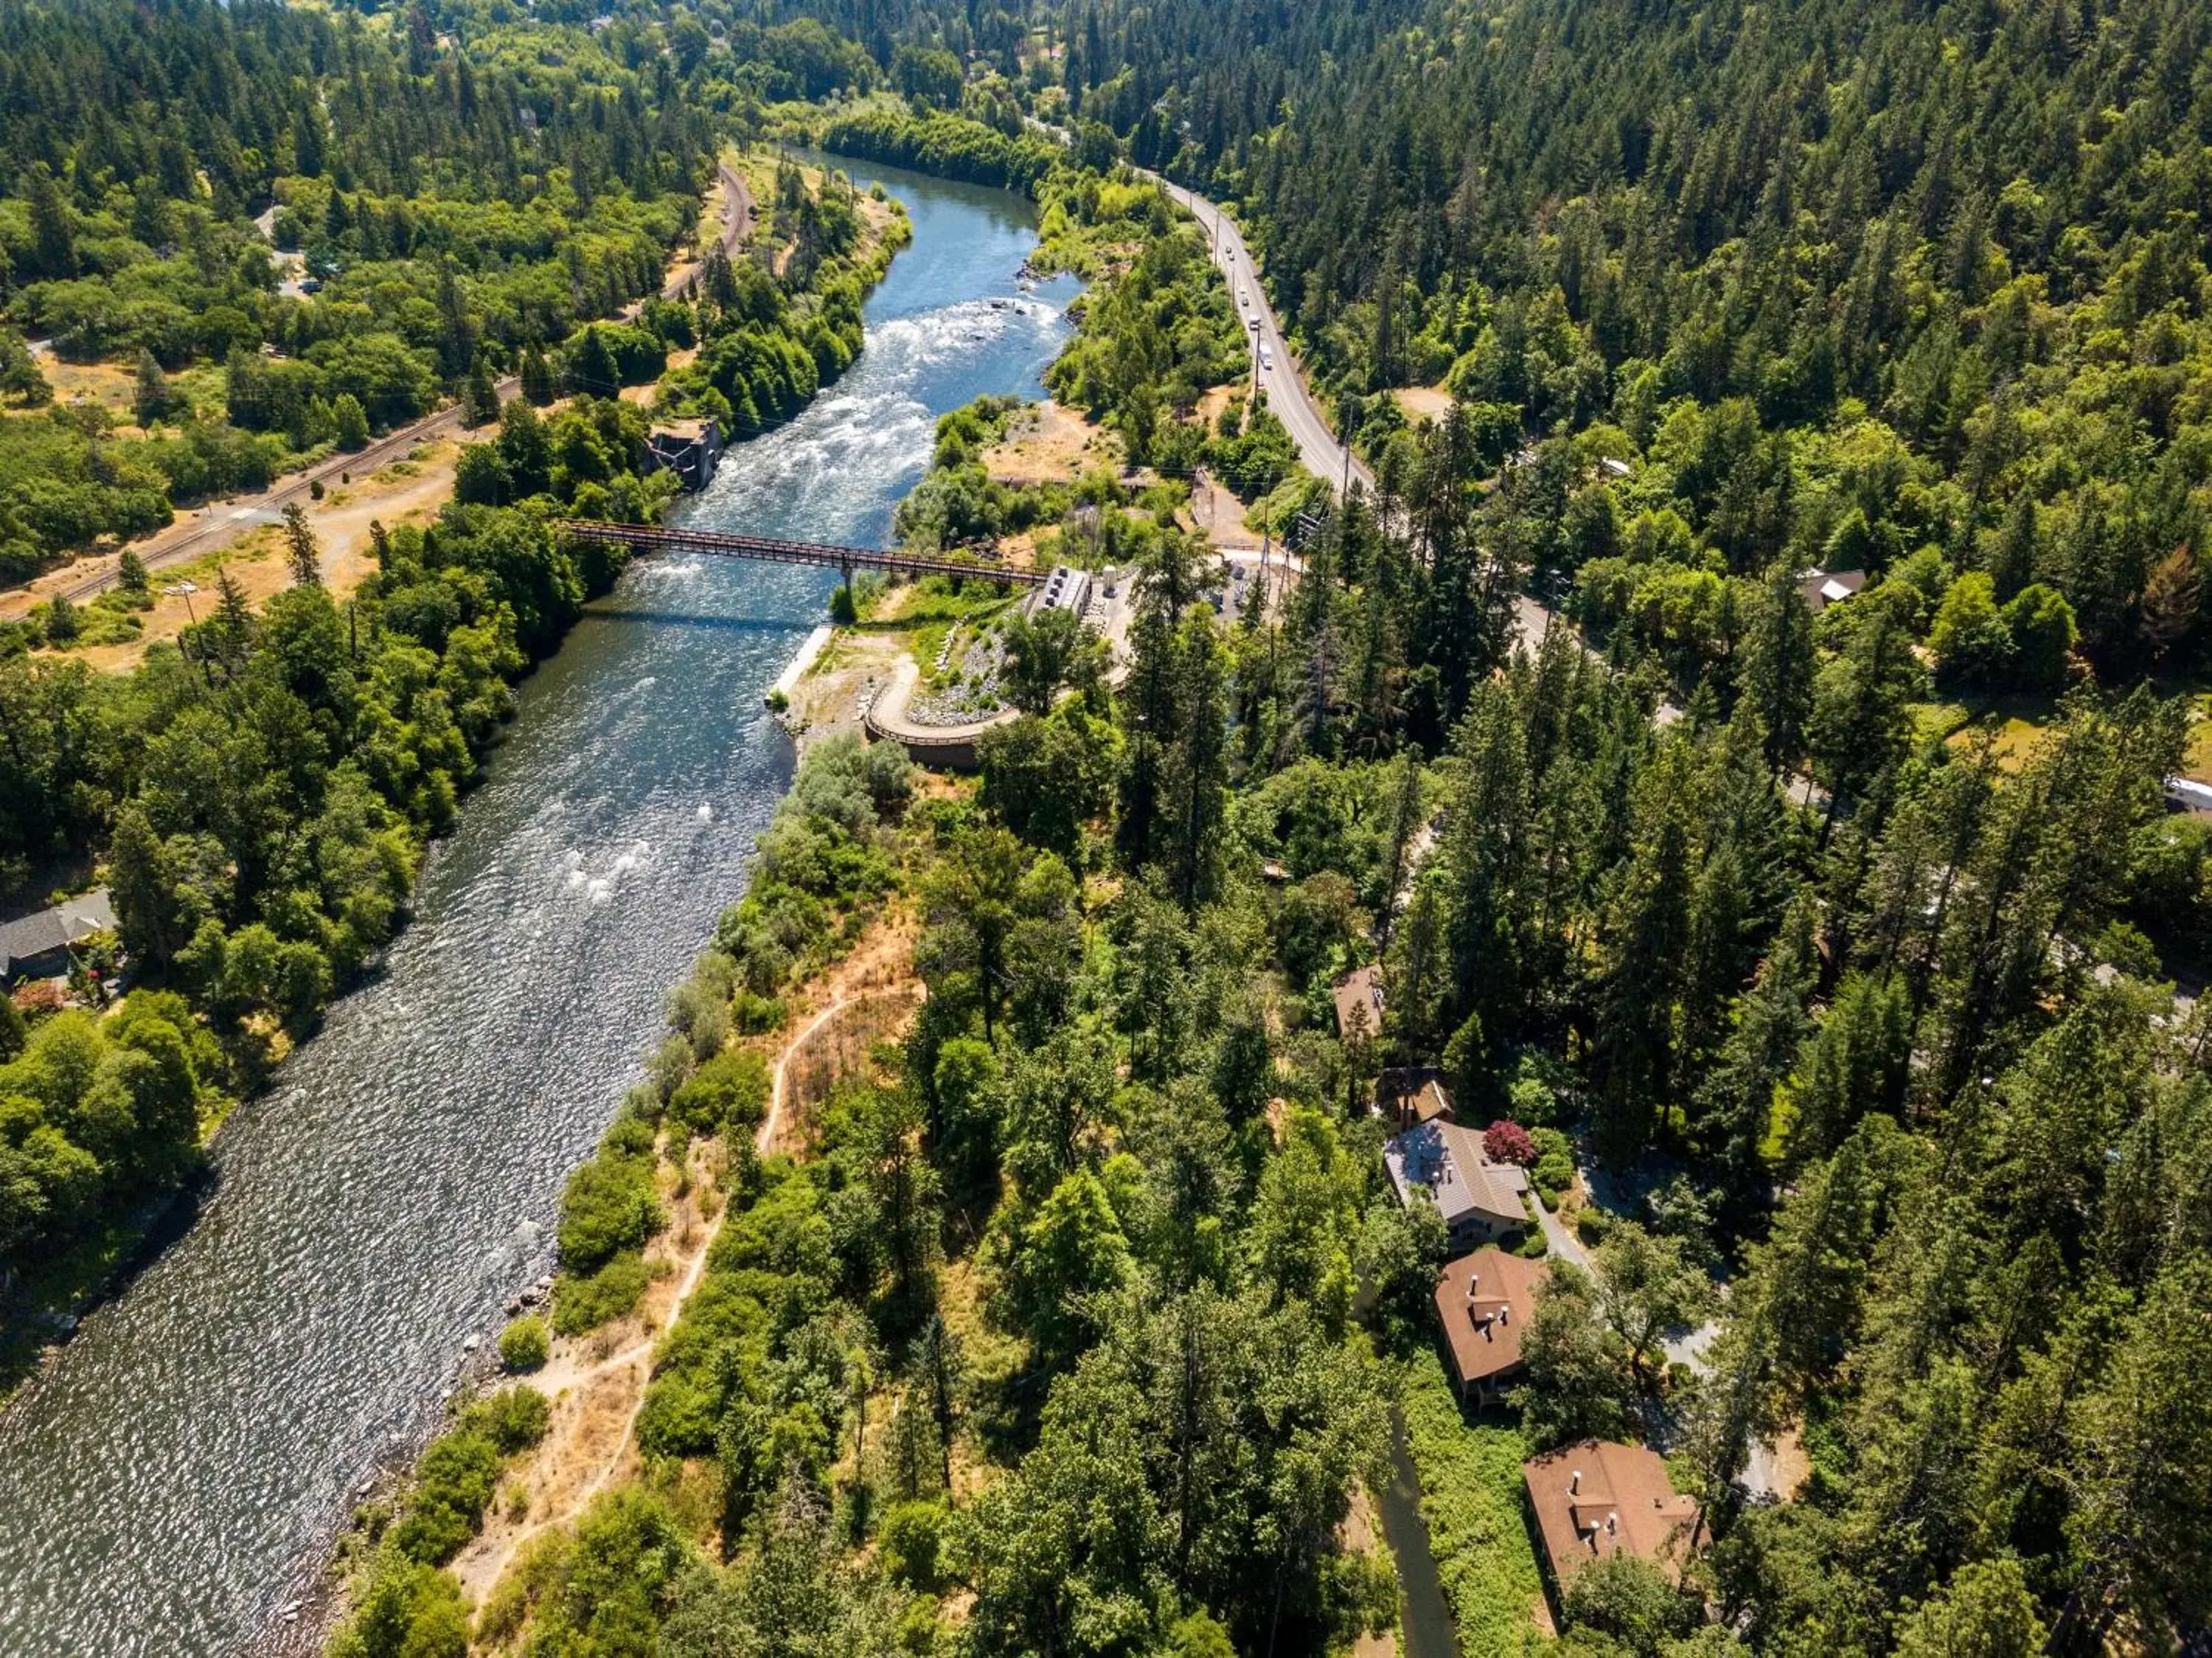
pixel 1820 587
pixel 1358 997
pixel 689 448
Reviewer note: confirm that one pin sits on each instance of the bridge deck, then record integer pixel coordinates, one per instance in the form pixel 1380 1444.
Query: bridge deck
pixel 715 544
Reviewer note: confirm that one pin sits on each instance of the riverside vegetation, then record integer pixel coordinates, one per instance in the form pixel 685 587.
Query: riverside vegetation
pixel 260 791
pixel 1890 1068
pixel 1073 1325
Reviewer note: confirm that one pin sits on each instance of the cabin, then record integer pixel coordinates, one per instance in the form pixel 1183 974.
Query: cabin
pixel 1819 588
pixel 1405 1096
pixel 1484 1301
pixel 1358 999
pixel 1481 1201
pixel 38 946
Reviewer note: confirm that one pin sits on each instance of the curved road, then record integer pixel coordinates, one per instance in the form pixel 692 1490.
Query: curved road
pixel 1287 396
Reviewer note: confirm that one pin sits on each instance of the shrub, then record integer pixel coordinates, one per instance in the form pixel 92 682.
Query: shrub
pixel 523 1345
pixel 582 1303
pixel 731 1088
pixel 514 1418
pixel 1471 1497
pixel 1507 1142
pixel 459 1471
pixel 913 1541
pixel 607 1207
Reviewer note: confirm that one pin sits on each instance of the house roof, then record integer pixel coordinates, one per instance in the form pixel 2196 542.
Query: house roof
pixel 1485 1300
pixel 1429 1102
pixel 1599 1498
pixel 1447 1158
pixel 67 923
pixel 1822 588
pixel 1360 988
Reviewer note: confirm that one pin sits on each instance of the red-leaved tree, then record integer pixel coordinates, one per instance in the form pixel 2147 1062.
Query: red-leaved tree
pixel 1509 1142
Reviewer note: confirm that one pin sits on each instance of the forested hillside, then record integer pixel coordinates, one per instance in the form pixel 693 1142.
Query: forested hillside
pixel 1861 279
pixel 292 228
pixel 257 793
pixel 1871 1125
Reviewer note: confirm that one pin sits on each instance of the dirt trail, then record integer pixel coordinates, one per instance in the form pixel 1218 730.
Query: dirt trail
pixel 598 1382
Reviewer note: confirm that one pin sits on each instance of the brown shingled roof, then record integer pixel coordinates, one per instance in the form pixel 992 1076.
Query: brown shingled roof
pixel 1485 1300
pixel 1598 1498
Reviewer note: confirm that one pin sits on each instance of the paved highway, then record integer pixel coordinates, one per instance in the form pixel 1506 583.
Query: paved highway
pixel 1294 405
pixel 1286 386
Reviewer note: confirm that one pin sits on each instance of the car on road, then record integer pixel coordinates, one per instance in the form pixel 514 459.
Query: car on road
pixel 1253 324
pixel 1267 358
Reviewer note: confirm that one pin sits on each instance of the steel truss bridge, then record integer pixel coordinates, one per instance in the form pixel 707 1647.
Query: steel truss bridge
pixel 654 537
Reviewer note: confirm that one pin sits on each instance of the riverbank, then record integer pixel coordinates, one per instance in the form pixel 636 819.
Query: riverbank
pixel 184 1465
pixel 368 539
pixel 598 1381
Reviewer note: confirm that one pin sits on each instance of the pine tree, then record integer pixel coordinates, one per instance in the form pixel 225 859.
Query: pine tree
pixel 537 376
pixel 301 554
pixel 1771 1021
pixel 1779 665
pixel 480 397
pixel 1647 938
pixel 1196 770
pixel 151 399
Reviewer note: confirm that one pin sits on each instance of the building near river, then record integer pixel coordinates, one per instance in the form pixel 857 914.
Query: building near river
pixel 689 448
pixel 1484 1301
pixel 1598 1498
pixel 1482 1201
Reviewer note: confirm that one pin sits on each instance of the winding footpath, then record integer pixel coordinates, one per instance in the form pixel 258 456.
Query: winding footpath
pixel 480 1571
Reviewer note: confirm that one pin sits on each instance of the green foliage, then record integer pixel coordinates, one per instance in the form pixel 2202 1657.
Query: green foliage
pixel 608 1205
pixel 1633 1601
pixel 458 1471
pixel 1472 1500
pixel 447 236
pixel 524 1346
pixel 952 146
pixel 404 1610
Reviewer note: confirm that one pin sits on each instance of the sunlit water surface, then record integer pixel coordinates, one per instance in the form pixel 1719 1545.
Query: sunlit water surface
pixel 172 1485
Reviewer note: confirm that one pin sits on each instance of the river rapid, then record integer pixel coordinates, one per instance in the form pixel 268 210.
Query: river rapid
pixel 172 1485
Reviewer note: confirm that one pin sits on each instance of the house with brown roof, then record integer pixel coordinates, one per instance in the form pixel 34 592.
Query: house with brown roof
pixel 1358 997
pixel 1484 1301
pixel 1481 1201
pixel 1597 1497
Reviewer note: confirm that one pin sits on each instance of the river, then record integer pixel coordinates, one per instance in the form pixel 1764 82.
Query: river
pixel 174 1481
